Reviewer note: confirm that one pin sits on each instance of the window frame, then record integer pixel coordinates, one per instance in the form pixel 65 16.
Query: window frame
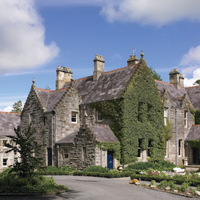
pixel 180 147
pixel 185 118
pixel 74 117
pixel 5 162
pixel 139 153
pixel 165 116
pixel 66 152
pixel 98 114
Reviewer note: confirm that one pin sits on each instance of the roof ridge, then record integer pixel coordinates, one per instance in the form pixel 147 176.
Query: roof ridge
pixel 44 89
pixel 193 86
pixel 52 91
pixel 163 82
pixel 119 69
pixel 3 112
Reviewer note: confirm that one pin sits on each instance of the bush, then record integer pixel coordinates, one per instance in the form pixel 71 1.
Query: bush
pixel 97 169
pixel 160 165
pixel 184 187
pixel 13 183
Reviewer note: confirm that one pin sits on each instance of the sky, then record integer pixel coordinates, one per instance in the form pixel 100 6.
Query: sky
pixel 38 35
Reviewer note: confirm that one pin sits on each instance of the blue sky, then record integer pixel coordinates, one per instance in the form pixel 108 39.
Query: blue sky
pixel 38 35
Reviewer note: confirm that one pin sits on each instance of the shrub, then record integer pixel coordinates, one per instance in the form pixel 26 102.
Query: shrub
pixel 160 165
pixel 13 183
pixel 96 169
pixel 184 187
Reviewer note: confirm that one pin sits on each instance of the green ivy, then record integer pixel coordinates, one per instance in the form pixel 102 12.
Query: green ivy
pixel 197 116
pixel 138 114
pixel 111 146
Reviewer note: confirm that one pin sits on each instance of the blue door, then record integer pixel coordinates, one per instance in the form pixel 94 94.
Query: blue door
pixel 110 160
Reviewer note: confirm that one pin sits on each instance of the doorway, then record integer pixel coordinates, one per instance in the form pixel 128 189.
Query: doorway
pixel 110 160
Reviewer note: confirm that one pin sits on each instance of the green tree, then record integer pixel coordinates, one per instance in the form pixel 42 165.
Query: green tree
pixel 155 74
pixel 28 154
pixel 17 107
pixel 197 82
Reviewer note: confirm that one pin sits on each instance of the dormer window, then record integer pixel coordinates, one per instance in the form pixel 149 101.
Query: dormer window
pixel 74 115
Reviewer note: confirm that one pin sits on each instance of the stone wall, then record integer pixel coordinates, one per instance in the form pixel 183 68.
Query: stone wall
pixel 182 132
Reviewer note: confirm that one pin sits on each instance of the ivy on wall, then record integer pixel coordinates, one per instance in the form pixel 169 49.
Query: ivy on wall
pixel 197 116
pixel 111 146
pixel 137 115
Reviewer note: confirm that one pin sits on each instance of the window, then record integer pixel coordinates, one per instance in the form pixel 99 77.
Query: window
pixel 66 153
pixel 44 120
pixel 139 147
pixel 149 148
pixel 84 153
pixel 165 116
pixel 99 116
pixel 179 147
pixel 5 161
pixel 74 117
pixel 185 119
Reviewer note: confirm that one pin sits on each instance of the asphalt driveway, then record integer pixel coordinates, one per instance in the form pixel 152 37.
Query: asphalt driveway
pixel 92 188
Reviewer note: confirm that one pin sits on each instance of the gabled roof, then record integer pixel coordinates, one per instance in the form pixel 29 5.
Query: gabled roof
pixel 49 98
pixel 102 133
pixel 110 85
pixel 8 121
pixel 194 133
pixel 175 95
pixel 194 94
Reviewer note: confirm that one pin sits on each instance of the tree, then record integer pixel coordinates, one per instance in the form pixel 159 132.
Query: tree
pixel 17 107
pixel 155 74
pixel 27 151
pixel 197 82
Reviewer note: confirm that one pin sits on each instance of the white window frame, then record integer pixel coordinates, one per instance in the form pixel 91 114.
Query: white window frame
pixel 74 117
pixel 139 148
pixel 185 118
pixel 165 116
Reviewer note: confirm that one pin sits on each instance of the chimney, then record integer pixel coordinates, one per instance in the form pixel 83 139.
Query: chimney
pixel 64 74
pixel 133 60
pixel 176 78
pixel 98 67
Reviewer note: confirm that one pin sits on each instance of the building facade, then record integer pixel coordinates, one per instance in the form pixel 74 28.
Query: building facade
pixel 113 118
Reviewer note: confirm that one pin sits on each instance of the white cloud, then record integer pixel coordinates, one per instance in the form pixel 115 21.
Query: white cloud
pixel 196 76
pixel 7 109
pixel 191 65
pixel 22 37
pixel 152 12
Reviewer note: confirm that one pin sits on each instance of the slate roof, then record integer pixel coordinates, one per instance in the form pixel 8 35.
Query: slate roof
pixel 175 94
pixel 194 133
pixel 102 134
pixel 49 98
pixel 194 94
pixel 8 121
pixel 110 85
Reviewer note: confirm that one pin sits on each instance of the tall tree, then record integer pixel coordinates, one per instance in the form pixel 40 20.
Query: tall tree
pixel 17 107
pixel 197 82
pixel 155 74
pixel 27 151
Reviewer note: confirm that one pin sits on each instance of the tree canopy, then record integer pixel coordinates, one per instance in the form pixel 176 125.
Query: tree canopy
pixel 27 152
pixel 197 82
pixel 17 107
pixel 155 74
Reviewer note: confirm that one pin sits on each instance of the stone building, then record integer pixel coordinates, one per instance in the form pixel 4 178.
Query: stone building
pixel 8 121
pixel 74 133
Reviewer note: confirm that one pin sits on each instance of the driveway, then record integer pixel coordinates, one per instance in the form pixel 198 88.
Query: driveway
pixel 92 188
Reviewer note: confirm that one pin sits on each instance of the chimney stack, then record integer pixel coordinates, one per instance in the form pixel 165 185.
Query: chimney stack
pixel 176 78
pixel 98 67
pixel 64 74
pixel 133 60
